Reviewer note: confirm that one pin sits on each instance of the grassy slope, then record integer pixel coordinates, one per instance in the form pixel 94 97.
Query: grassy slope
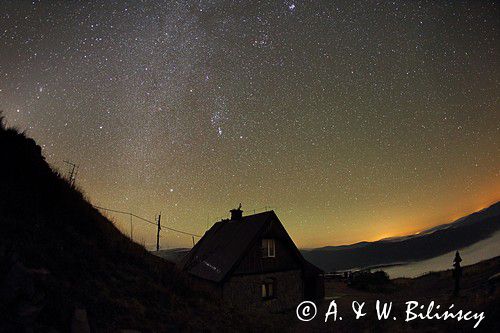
pixel 91 264
pixel 437 286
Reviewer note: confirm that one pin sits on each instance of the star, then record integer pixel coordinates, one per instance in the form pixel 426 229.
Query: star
pixel 343 115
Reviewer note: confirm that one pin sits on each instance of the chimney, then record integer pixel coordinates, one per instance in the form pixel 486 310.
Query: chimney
pixel 236 214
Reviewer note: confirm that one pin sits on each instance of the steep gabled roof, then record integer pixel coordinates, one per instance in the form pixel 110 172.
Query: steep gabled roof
pixel 226 243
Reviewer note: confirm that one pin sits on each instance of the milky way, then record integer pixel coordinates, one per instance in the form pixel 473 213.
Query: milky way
pixel 353 120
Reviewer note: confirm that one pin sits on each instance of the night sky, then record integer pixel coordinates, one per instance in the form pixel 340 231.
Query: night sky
pixel 354 121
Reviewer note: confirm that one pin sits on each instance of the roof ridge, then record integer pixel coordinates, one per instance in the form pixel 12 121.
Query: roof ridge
pixel 224 245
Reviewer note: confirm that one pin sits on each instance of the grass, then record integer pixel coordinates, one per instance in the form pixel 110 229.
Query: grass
pixel 73 257
pixel 476 295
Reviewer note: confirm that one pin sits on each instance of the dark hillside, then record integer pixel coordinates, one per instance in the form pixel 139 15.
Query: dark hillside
pixel 58 254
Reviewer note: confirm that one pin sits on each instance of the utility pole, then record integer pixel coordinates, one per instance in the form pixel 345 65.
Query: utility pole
pixel 193 240
pixel 131 228
pixel 158 234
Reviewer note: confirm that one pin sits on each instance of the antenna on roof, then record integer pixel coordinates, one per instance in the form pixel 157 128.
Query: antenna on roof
pixel 72 173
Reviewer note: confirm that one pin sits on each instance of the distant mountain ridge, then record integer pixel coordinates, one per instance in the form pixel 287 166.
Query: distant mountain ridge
pixel 424 245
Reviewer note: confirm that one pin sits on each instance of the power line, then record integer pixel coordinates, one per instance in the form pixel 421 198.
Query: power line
pixel 145 220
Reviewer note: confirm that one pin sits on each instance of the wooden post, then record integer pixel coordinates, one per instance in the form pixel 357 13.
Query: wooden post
pixel 158 234
pixel 131 229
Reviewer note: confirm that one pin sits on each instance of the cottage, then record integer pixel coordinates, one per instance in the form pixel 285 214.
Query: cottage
pixel 251 262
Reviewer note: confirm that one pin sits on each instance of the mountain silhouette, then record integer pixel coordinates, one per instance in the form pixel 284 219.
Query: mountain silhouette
pixel 65 266
pixel 427 244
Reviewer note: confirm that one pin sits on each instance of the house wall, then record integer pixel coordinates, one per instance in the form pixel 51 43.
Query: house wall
pixel 254 263
pixel 314 285
pixel 244 291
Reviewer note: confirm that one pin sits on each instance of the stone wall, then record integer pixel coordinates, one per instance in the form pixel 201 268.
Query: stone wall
pixel 245 291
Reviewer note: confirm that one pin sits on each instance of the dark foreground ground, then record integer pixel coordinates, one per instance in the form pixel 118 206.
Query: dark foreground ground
pixel 476 295
pixel 64 267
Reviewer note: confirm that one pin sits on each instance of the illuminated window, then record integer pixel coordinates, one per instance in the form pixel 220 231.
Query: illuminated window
pixel 268 248
pixel 269 288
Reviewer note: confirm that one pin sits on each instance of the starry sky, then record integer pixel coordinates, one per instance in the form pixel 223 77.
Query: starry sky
pixel 353 120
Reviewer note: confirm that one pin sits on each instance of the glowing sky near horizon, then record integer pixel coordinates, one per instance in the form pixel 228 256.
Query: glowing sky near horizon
pixel 353 120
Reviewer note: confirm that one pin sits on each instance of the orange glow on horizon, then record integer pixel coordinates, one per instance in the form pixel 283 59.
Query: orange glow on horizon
pixel 418 225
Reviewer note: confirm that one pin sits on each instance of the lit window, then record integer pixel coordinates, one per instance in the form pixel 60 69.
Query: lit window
pixel 269 288
pixel 268 248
